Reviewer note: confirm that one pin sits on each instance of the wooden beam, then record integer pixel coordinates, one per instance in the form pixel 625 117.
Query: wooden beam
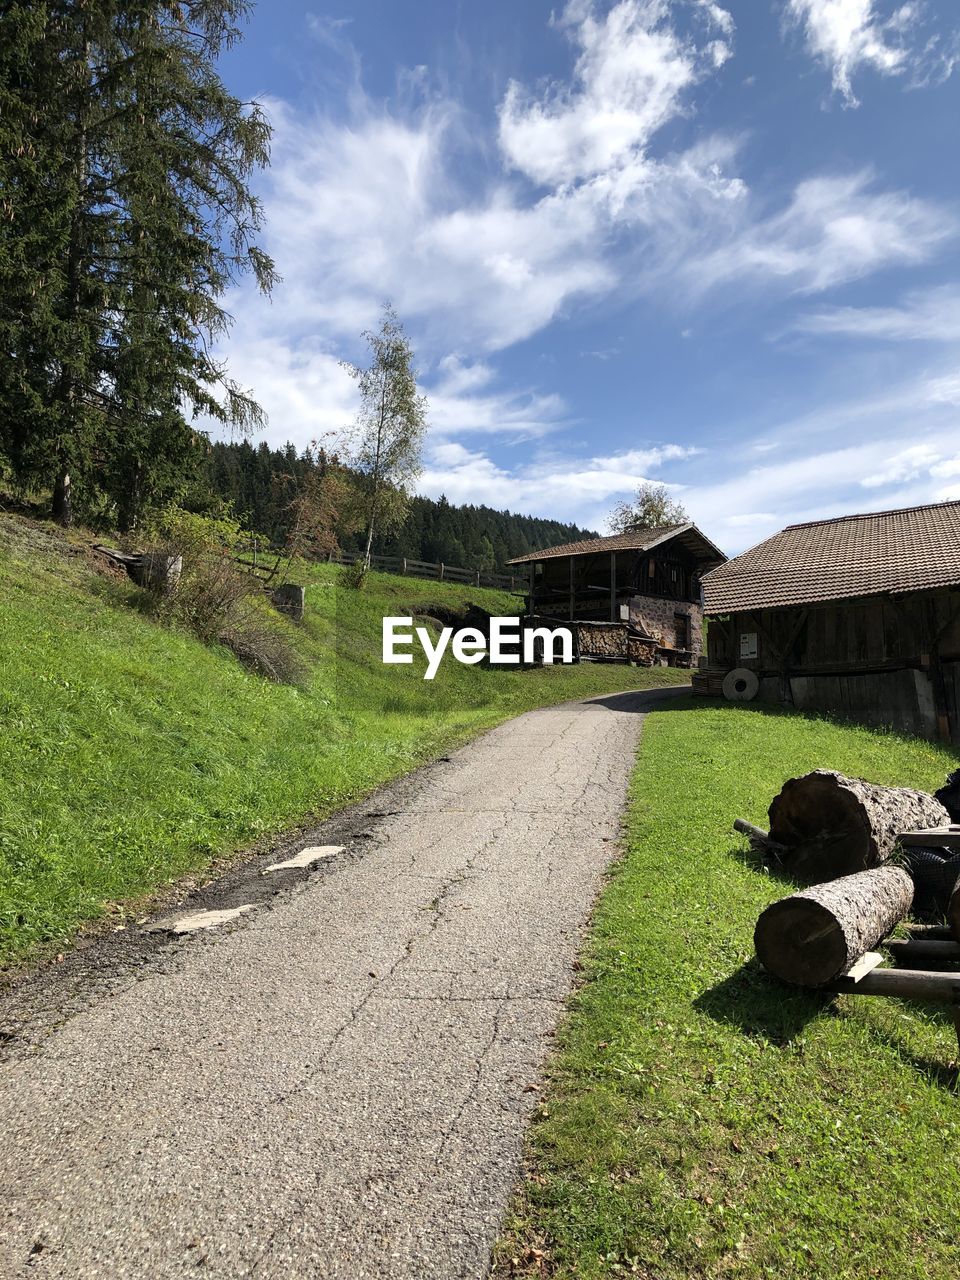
pixel 613 586
pixel 920 949
pixel 572 587
pixel 911 984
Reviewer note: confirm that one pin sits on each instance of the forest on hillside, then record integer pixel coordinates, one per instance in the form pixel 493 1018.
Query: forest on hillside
pixel 262 484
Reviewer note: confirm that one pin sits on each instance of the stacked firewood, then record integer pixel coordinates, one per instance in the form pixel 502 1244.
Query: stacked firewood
pixel 849 841
pixel 615 642
pixel 641 650
pixel 602 640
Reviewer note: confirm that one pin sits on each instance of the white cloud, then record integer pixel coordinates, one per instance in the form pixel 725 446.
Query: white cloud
pixel 376 205
pixel 902 467
pixel 458 404
pixel 846 35
pixel 945 390
pixel 306 393
pixel 628 82
pixel 562 486
pixel 835 229
pixel 927 315
pixel 822 465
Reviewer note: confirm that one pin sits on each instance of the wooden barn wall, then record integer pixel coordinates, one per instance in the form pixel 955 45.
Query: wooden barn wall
pixel 883 661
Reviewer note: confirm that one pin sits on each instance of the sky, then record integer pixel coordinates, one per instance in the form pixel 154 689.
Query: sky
pixel 713 245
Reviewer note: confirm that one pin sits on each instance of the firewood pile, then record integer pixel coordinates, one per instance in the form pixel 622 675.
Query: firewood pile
pixel 641 650
pixel 615 642
pixel 872 858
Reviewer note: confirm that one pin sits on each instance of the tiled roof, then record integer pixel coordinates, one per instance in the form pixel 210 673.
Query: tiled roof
pixel 884 552
pixel 638 540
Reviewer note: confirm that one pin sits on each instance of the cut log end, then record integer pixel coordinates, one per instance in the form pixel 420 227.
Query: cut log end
pixel 801 942
pixel 836 826
pixel 811 938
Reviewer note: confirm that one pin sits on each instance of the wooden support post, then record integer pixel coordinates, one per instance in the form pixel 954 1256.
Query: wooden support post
pixel 613 586
pixel 533 587
pixel 572 585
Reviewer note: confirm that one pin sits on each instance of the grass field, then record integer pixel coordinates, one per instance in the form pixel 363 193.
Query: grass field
pixel 702 1121
pixel 130 754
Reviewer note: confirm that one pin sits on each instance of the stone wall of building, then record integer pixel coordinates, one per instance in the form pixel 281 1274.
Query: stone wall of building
pixel 659 617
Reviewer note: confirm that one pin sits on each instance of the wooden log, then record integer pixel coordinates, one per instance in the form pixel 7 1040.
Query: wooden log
pixel 833 826
pixel 949 795
pixel 933 932
pixel 759 839
pixel 812 937
pixel 953 912
pixel 923 949
pixel 911 984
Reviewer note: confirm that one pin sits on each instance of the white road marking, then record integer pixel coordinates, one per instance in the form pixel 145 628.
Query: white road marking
pixel 306 857
pixel 200 920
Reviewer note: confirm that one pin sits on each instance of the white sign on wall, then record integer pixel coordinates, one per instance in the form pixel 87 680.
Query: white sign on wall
pixel 748 644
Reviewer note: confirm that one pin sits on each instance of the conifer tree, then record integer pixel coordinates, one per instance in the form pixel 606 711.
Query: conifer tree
pixel 149 219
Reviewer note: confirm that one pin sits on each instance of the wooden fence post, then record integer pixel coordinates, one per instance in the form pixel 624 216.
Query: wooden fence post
pixel 441 570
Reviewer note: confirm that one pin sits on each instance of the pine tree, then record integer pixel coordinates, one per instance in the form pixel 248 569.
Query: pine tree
pixel 147 219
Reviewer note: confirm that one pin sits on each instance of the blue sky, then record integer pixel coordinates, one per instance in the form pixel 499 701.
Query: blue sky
pixel 715 245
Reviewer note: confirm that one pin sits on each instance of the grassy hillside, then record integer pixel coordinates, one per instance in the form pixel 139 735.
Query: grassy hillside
pixel 703 1120
pixel 130 753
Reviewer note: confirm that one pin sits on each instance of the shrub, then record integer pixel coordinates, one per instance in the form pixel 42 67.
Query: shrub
pixel 216 598
pixel 354 575
pixel 265 650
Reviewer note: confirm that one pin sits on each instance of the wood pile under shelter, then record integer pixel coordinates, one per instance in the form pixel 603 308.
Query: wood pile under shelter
pixel 647 580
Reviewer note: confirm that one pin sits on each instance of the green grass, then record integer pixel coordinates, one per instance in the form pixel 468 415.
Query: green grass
pixel 702 1121
pixel 130 754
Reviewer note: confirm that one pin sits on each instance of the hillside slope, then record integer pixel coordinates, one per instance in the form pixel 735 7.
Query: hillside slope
pixel 131 754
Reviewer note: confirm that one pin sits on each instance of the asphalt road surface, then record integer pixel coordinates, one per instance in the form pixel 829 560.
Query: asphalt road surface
pixel 336 1084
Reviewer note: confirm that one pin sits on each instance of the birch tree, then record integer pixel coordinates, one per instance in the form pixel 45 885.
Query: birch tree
pixel 389 429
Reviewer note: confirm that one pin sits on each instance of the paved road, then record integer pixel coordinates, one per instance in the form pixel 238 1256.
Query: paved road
pixel 337 1085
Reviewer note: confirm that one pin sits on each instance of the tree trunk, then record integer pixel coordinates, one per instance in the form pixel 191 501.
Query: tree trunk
pixel 366 554
pixel 834 826
pixel 815 936
pixel 62 505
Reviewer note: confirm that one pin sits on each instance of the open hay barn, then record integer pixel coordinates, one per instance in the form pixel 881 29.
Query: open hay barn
pixel 645 583
pixel 858 615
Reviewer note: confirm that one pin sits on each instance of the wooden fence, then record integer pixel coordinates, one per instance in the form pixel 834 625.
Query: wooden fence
pixel 438 572
pixel 265 561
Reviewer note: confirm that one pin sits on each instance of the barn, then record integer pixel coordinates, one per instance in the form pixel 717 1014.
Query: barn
pixel 646 583
pixel 858 616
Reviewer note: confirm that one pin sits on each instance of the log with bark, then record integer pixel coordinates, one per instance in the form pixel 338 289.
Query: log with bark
pixel 813 937
pixel 949 795
pixel 831 825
